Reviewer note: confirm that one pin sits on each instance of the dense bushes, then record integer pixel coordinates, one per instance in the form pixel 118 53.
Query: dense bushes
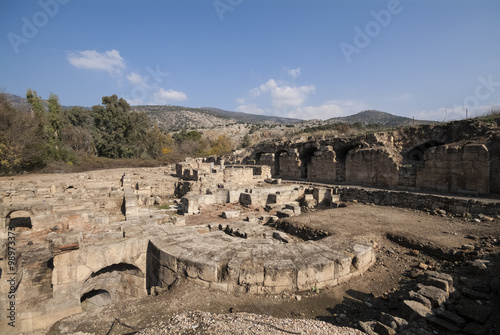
pixel 21 145
pixel 44 133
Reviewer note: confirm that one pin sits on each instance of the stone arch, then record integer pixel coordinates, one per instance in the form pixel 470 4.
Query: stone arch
pixel 305 158
pixel 341 153
pixel 113 283
pixel 95 298
pixel 121 267
pixel 258 155
pixel 416 154
pixel 19 218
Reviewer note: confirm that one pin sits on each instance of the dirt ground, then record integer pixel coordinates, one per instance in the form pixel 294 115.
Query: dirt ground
pixel 433 242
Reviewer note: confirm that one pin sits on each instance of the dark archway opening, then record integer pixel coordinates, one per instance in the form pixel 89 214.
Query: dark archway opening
pixel 94 299
pixel 416 155
pixel 121 267
pixel 19 219
pixel 257 158
pixel 305 158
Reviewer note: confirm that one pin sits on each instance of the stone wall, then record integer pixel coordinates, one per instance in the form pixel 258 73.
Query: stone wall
pixel 289 165
pixel 392 159
pixel 494 150
pixel 267 159
pixel 458 169
pixel 421 201
pixel 371 167
pixel 323 166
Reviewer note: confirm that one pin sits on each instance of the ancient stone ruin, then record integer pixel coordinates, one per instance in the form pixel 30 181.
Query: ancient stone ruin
pixel 82 241
pixel 459 157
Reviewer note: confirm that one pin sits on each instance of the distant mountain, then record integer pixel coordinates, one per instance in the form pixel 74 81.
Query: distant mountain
pixel 376 117
pixel 22 103
pixel 172 118
pixel 17 101
pixel 252 118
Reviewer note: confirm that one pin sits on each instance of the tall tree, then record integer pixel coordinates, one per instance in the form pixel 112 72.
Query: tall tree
pixel 37 108
pixel 119 132
pixel 20 139
pixel 55 118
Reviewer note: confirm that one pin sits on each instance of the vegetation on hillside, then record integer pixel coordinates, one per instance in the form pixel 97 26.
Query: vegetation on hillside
pixel 43 134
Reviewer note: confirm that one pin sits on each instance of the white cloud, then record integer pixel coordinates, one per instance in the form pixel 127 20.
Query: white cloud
pixel 134 102
pixel 251 109
pixel 136 79
pixel 109 61
pixel 163 96
pixel 286 96
pixel 329 109
pixel 282 95
pixel 445 114
pixel 289 101
pixel 294 73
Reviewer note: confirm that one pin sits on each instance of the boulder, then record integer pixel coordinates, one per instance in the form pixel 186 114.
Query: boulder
pixel 414 310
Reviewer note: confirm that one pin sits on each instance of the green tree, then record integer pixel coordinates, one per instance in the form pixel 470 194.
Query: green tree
pixel 159 143
pixel 55 118
pixel 37 109
pixel 119 132
pixel 20 139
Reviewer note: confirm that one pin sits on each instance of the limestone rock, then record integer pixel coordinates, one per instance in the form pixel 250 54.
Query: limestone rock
pixel 389 319
pixel 413 310
pixel 434 294
pixel 442 324
pixel 231 214
pixel 420 298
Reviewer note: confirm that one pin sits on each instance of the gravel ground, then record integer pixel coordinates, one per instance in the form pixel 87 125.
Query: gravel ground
pixel 243 323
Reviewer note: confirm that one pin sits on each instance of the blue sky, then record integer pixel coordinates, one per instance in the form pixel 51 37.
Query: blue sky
pixel 431 59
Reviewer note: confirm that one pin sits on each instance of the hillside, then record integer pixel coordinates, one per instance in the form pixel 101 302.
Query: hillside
pixel 251 118
pixel 377 117
pixel 172 118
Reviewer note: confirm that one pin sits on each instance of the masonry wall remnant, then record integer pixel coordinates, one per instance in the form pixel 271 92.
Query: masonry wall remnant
pixel 459 157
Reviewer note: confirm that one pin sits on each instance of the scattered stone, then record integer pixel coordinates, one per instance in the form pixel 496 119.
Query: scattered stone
pixel 414 252
pixel 367 327
pixel 231 214
pixel 423 266
pixel 280 236
pixel 298 297
pixel 440 275
pixel 382 329
pixel 420 298
pixel 442 324
pixel 468 247
pixel 439 283
pixel 436 295
pixel 414 310
pixel 451 317
pixel 477 266
pixel 391 320
pixel 473 311
pixel 469 293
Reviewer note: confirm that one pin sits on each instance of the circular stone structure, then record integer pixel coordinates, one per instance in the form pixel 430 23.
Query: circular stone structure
pixel 268 264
